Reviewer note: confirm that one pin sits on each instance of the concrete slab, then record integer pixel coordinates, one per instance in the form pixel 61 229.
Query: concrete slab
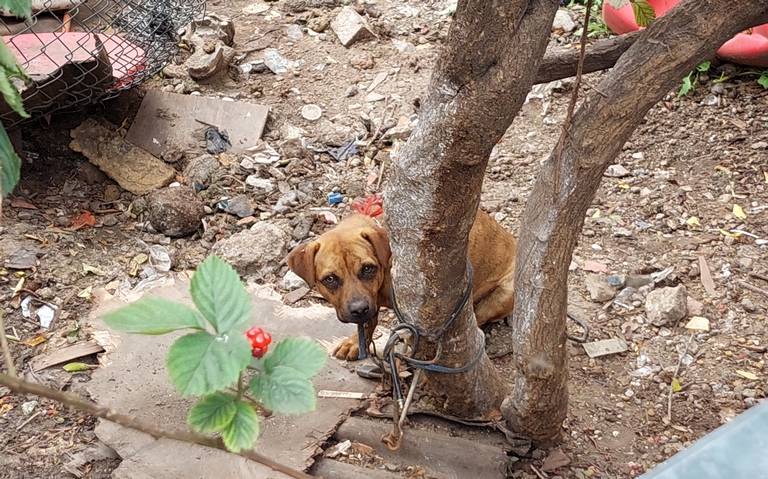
pixel 134 381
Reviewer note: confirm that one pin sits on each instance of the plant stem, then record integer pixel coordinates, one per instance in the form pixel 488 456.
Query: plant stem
pixel 240 390
pixel 103 412
pixel 6 350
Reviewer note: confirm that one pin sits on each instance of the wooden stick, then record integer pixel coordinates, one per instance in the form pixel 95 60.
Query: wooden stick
pixel 674 376
pixel 72 400
pixel 9 366
pixel 753 288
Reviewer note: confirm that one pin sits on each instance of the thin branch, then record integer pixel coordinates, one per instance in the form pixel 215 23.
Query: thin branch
pixel 72 400
pixel 753 288
pixel 674 376
pixel 6 350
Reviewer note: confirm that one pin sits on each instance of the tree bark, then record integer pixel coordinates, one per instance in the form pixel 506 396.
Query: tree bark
pixel 601 55
pixel 480 81
pixel 670 48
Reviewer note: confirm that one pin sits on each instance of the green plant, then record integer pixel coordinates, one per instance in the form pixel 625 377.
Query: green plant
pixel 220 362
pixel 10 164
pixel 691 81
pixel 644 12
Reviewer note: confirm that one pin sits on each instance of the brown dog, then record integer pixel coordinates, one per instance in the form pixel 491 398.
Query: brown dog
pixel 349 265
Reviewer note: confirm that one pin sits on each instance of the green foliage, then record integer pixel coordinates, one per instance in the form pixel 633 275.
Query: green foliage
pixel 213 362
pixel 763 80
pixel 154 316
pixel 10 164
pixel 218 294
pixel 691 81
pixel 644 12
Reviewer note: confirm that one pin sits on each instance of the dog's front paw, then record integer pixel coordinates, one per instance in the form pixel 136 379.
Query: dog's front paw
pixel 347 349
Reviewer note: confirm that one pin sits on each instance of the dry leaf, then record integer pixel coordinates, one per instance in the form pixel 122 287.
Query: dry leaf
pixel 706 277
pixel 693 221
pixel 730 233
pixel 676 386
pixel 765 173
pixel 746 375
pixel 82 220
pixel 22 204
pixel 554 460
pixel 738 212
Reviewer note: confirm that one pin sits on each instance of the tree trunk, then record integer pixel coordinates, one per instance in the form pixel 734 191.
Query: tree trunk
pixel 480 81
pixel 555 211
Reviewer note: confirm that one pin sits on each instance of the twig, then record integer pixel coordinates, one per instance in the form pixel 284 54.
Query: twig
pixel 72 400
pixel 558 153
pixel 753 288
pixel 9 366
pixel 759 276
pixel 674 376
pixel 538 473
pixel 409 398
pixel 31 418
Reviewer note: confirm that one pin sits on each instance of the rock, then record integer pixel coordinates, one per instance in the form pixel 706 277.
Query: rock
pixel 362 61
pixel 616 171
pixel 175 211
pixel 256 251
pixel 401 131
pixel 748 306
pixel 202 65
pixel 760 145
pixel 350 27
pixel 294 32
pixel 277 63
pixel 303 227
pixel 319 24
pixel 289 200
pixel 131 167
pixel 239 206
pixel 298 6
pixel 639 280
pixel 261 184
pixel 616 281
pixel 563 22
pixel 599 290
pixel 200 170
pixel 109 220
pixel 292 281
pixel 695 308
pixel 666 306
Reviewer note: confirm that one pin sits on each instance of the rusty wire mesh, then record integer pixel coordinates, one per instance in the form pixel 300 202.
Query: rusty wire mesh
pixel 79 52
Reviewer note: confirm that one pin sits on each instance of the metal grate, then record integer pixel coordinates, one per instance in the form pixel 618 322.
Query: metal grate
pixel 79 52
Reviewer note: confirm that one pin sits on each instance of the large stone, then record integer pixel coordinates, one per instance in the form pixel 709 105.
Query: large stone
pixel 132 168
pixel 199 171
pixel 563 22
pixel 666 306
pixel 254 252
pixel 175 211
pixel 350 27
pixel 599 289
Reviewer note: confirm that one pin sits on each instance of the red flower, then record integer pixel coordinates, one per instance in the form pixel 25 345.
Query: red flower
pixel 372 206
pixel 260 341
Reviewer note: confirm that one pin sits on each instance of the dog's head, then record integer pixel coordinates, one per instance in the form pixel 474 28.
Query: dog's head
pixel 348 265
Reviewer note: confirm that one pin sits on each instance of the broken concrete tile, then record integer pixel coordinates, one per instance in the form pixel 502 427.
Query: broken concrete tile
pixel 350 27
pixel 255 251
pixel 132 168
pixel 698 323
pixel 202 66
pixel 135 381
pixel 605 347
pixel 170 121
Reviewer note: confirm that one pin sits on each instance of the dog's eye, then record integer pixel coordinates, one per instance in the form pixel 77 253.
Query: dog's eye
pixel 331 281
pixel 368 271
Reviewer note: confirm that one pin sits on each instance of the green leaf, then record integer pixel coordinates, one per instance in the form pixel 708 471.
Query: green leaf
pixel 687 86
pixel 200 363
pixel 10 94
pixel 644 12
pixel 76 367
pixel 220 295
pixel 304 355
pixel 10 164
pixel 676 386
pixel 154 316
pixel 213 413
pixel 243 431
pixel 763 80
pixel 17 8
pixel 284 391
pixel 704 66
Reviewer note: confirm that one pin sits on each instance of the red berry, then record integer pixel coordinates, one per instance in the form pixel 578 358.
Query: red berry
pixel 260 341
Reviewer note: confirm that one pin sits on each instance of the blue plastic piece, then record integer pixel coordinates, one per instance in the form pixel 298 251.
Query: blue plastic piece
pixel 335 198
pixel 736 450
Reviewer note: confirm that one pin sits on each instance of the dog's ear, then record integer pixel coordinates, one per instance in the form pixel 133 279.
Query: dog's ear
pixel 302 261
pixel 380 241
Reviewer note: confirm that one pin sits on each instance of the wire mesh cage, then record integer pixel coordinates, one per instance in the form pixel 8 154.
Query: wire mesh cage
pixel 79 52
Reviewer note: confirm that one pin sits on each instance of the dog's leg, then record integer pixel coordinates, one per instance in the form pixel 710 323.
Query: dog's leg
pixel 497 304
pixel 348 348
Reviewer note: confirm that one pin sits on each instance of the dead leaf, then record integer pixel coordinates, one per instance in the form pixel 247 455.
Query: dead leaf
pixel 738 212
pixel 693 221
pixel 84 219
pixel 706 277
pixel 676 386
pixel 555 460
pixel 87 293
pixel 746 375
pixel 35 340
pixel 594 267
pixel 765 173
pixel 698 323
pixel 22 204
pixel 92 269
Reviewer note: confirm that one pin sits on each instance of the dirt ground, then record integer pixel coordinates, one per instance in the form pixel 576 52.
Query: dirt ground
pixel 696 170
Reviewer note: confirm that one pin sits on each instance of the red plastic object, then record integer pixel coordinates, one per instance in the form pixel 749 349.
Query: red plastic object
pixel 747 48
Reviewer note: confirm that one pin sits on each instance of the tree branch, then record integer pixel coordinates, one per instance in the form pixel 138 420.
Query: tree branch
pixel 4 345
pixel 24 387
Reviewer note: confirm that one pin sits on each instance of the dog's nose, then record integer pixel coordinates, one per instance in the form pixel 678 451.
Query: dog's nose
pixel 359 310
